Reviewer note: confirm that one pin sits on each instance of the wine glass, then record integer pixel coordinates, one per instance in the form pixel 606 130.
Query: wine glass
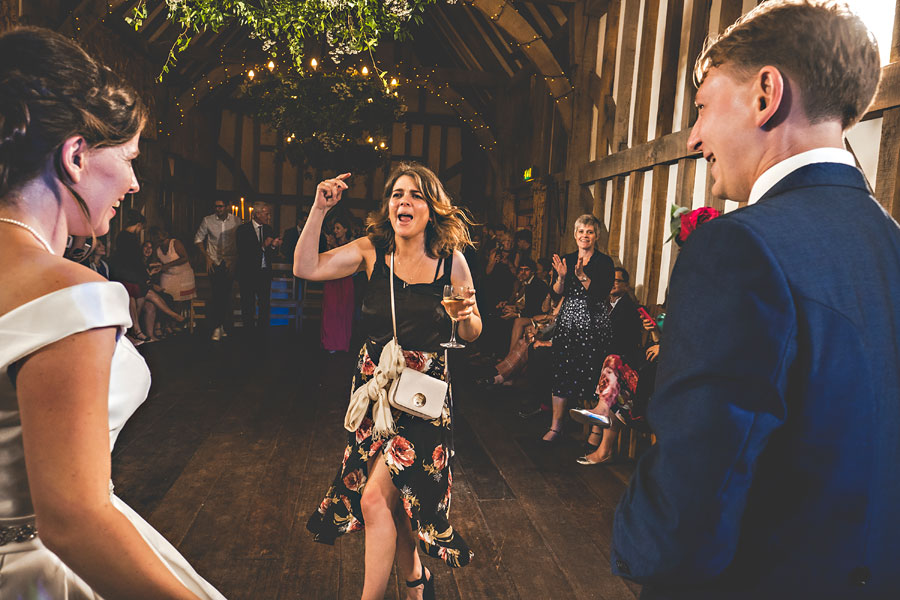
pixel 454 297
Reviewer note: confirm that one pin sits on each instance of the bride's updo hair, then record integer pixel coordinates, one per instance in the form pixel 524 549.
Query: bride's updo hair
pixel 51 90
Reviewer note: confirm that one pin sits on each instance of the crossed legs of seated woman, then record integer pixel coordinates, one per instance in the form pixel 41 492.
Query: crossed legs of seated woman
pixel 389 536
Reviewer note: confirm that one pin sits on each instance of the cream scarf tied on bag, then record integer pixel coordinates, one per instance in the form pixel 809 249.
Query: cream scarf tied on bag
pixel 375 390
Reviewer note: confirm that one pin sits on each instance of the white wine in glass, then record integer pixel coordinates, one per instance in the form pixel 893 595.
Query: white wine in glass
pixel 454 301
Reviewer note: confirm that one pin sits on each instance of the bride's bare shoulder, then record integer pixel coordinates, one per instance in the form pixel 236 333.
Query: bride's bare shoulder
pixel 34 274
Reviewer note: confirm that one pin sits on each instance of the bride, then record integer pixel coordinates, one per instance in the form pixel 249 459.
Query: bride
pixel 69 379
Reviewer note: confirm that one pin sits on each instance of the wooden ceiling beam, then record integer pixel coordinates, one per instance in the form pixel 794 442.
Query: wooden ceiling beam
pixel 596 8
pixel 505 15
pixel 490 43
pixel 462 49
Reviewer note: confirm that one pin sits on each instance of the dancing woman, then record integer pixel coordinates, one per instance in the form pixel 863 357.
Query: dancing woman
pixel 69 379
pixel 397 485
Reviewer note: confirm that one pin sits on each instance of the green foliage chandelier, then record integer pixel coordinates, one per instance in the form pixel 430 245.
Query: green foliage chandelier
pixel 347 26
pixel 327 120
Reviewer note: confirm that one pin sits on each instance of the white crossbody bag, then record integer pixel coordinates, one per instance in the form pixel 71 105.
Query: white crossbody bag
pixel 413 391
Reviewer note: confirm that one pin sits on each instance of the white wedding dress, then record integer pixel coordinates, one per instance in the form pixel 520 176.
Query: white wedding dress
pixel 27 568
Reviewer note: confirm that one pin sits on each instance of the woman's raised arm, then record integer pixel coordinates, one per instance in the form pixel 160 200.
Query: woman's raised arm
pixel 339 262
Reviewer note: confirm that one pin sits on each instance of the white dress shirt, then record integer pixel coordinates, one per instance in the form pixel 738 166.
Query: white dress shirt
pixel 219 236
pixel 779 171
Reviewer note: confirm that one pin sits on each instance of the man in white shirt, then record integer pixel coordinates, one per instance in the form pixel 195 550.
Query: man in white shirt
pixel 216 240
pixel 777 404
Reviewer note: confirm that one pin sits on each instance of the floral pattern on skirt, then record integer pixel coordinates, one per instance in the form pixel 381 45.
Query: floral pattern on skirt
pixel 418 458
pixel 617 388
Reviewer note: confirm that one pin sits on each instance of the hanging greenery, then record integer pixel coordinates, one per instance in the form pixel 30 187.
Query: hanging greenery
pixel 346 26
pixel 328 120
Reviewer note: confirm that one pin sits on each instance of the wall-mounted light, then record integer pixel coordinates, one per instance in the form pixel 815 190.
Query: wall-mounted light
pixel 314 63
pixel 271 65
pixel 251 73
pixel 365 70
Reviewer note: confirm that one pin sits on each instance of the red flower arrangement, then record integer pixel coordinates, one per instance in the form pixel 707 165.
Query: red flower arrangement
pixel 684 222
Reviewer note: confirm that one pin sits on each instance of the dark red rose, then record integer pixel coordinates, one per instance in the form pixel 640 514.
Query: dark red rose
pixel 439 457
pixel 353 480
pixel 694 219
pixel 364 430
pixel 401 452
pixel 368 367
pixel 414 360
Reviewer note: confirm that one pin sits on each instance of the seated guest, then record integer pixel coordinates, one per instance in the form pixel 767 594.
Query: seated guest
pixel 538 329
pixel 529 298
pixel 543 269
pixel 521 246
pixel 97 259
pixel 127 267
pixel 176 276
pixel 498 273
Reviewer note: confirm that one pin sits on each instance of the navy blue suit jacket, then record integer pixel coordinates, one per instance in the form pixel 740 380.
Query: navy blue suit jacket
pixel 776 472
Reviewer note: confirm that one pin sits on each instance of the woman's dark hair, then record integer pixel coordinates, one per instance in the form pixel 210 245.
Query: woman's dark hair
pixel 156 233
pixel 343 218
pixel 446 231
pixel 51 90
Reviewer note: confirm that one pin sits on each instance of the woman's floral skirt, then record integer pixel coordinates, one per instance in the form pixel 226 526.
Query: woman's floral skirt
pixel 616 390
pixel 418 458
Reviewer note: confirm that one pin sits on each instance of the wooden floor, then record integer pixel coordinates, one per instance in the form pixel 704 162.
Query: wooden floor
pixel 238 442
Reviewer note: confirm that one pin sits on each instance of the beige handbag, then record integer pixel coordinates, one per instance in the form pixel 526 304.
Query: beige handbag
pixel 413 391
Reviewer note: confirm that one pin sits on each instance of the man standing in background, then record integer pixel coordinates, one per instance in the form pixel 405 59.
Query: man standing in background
pixel 256 246
pixel 216 240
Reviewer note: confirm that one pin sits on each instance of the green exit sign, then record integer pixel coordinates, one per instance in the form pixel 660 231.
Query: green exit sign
pixel 528 174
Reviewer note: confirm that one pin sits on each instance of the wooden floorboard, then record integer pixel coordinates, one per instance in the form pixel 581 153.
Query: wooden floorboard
pixel 239 441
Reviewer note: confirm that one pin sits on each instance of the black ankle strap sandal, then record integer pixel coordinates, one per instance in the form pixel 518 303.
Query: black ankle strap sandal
pixel 426 582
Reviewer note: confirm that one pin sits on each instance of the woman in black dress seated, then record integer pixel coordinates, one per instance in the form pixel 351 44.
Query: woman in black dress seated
pixel 583 330
pixel 396 484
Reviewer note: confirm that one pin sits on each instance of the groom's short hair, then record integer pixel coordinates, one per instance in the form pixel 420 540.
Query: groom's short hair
pixel 820 45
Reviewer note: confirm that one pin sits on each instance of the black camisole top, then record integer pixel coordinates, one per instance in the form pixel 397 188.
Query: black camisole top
pixel 422 322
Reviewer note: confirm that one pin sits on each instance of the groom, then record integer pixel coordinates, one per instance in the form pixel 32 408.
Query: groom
pixel 777 407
